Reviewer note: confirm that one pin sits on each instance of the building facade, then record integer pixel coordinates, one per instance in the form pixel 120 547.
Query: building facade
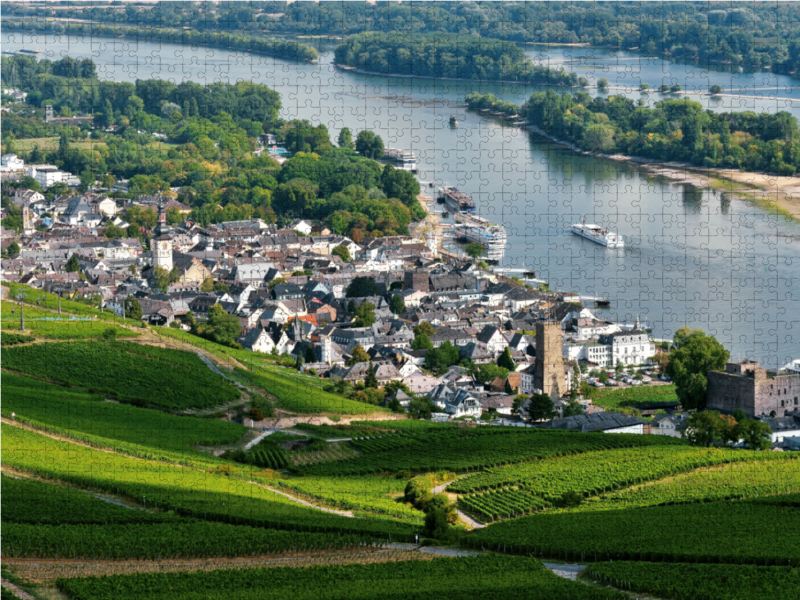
pixel 548 376
pixel 746 385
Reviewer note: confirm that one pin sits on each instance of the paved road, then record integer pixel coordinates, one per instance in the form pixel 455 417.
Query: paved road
pixel 432 550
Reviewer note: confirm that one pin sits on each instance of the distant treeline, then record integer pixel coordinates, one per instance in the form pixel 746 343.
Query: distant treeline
pixel 285 49
pixel 755 34
pixel 447 55
pixel 672 130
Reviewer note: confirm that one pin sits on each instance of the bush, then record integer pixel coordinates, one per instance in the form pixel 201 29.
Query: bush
pixel 256 414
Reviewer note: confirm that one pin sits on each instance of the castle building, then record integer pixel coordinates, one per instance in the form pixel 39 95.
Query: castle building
pixel 548 376
pixel 746 385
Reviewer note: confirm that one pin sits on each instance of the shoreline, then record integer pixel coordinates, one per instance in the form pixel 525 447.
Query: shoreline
pixel 774 193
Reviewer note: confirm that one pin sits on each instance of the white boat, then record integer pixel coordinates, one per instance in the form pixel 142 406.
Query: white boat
pixel 402 159
pixel 456 200
pixel 479 230
pixel 792 367
pixel 599 235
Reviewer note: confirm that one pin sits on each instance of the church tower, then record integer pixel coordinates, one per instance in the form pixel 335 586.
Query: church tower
pixel 161 244
pixel 548 372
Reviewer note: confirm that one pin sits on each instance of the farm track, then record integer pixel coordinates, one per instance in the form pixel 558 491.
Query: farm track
pixel 473 523
pixel 41 570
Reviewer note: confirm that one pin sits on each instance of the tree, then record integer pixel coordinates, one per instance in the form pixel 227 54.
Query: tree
pixel 739 415
pixel 397 305
pixel 133 310
pixel 708 428
pixel 689 364
pixel 309 354
pixel 572 409
pixel 505 360
pixel 161 278
pixel 516 405
pixel 13 249
pixel 207 285
pixel 715 89
pixel 602 84
pixel 474 250
pixel 489 372
pixel 225 327
pixel 345 139
pixel 369 145
pixel 603 377
pixel 365 315
pixel 73 265
pixel 358 355
pixel 438 359
pixel 540 408
pixel 424 327
pixel 421 408
pixel 755 434
pixel 342 252
pixel 644 87
pixel 361 287
pixel 421 342
pixel 370 381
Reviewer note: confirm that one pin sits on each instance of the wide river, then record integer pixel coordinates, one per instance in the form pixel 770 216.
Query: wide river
pixel 692 257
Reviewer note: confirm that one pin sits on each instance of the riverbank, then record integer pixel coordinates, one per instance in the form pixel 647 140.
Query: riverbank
pixel 773 193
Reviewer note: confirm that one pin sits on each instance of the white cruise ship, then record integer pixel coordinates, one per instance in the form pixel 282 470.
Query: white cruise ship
pixel 402 159
pixel 792 367
pixel 479 230
pixel 599 235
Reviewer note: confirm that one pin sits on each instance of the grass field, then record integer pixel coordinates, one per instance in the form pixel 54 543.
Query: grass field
pixel 81 412
pixel 47 300
pixel 630 397
pixel 51 143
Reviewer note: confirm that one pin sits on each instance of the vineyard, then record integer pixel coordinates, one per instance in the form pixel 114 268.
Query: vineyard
pixel 158 541
pixel 699 582
pixel 77 411
pixel 142 375
pixel 295 395
pixel 725 482
pixel 714 532
pixel 594 473
pixel 47 324
pixel 215 495
pixel 371 494
pixel 491 505
pixel 485 577
pixel 468 450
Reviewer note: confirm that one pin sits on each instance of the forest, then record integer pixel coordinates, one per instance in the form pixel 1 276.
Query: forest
pixel 753 35
pixel 447 55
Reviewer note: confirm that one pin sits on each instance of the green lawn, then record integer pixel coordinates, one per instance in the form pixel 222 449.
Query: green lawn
pixel 47 324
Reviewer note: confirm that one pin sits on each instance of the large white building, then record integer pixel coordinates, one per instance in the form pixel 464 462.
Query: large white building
pixel 625 348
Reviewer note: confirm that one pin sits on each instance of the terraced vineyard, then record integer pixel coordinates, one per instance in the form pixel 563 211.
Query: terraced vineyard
pixel 465 450
pixel 594 473
pixel 485 577
pixel 80 412
pixel 491 505
pixel 714 532
pixel 371 494
pixel 42 520
pixel 190 492
pixel 144 375
pixel 295 395
pixel 730 481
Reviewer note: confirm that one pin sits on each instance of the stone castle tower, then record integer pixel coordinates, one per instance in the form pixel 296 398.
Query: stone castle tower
pixel 548 375
pixel 161 244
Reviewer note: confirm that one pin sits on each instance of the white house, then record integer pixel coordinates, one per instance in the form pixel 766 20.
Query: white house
pixel 257 340
pixel 463 404
pixel 12 162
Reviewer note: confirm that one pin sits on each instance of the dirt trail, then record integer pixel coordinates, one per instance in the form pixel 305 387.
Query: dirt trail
pixel 472 523
pixel 342 513
pixel 16 591
pixel 40 570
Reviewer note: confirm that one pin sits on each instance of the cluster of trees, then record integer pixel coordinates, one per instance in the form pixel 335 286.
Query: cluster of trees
pixel 449 55
pixel 671 130
pixel 439 512
pixel 756 34
pixel 694 355
pixel 710 428
pixel 478 101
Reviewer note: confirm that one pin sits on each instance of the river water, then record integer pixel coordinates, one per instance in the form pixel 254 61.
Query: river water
pixel 692 258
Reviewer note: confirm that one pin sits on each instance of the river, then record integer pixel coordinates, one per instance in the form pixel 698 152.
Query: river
pixel 692 257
